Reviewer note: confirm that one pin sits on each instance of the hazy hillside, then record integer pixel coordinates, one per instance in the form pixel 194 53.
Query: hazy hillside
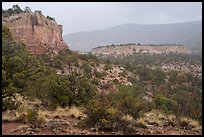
pixel 188 34
pixel 146 89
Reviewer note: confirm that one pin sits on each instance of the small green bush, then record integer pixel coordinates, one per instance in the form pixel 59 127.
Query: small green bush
pixel 102 115
pixel 99 74
pixel 31 116
pixel 127 102
pixel 165 104
pixel 8 104
pixel 123 74
pixel 95 82
pixel 87 70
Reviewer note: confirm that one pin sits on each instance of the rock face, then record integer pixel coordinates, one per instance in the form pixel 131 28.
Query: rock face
pixel 140 49
pixel 40 34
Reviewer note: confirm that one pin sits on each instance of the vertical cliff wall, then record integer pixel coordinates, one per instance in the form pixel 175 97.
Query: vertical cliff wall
pixel 40 34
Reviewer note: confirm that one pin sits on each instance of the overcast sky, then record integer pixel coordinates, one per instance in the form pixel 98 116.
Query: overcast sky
pixel 89 16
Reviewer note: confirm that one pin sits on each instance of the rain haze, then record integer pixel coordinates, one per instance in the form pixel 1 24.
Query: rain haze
pixel 89 16
pixel 102 68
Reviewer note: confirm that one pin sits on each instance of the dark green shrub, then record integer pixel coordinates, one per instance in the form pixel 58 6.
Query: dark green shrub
pixel 123 74
pixel 158 76
pixel 8 104
pixel 172 76
pixel 102 115
pixel 130 105
pixel 165 104
pixel 95 82
pixel 144 73
pixel 126 101
pixel 50 18
pixel 189 106
pixel 69 90
pixel 181 78
pixel 14 10
pixel 87 70
pixel 99 74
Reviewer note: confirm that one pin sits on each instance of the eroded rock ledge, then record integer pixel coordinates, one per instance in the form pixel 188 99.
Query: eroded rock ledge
pixel 140 49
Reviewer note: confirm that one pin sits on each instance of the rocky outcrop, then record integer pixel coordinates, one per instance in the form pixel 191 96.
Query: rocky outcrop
pixel 140 49
pixel 40 34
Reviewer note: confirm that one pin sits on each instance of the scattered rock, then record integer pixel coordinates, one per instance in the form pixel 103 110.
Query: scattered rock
pixel 55 130
pixel 64 130
pixel 37 130
pixel 67 123
pixel 94 129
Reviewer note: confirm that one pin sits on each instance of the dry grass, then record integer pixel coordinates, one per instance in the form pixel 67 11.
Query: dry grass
pixel 197 128
pixel 154 118
pixel 20 114
pixel 172 121
pixel 194 124
pixel 58 112
pixel 76 112
pixel 14 116
pixel 141 123
pixel 184 121
pixel 127 118
pixel 189 123
pixel 157 118
pixel 27 110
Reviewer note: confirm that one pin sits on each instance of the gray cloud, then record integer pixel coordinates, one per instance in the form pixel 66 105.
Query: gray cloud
pixel 88 16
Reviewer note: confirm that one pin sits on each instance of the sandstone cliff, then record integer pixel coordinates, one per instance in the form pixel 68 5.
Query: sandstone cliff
pixel 40 34
pixel 140 49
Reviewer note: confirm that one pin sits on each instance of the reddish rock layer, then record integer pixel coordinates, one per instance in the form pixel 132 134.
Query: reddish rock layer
pixel 40 34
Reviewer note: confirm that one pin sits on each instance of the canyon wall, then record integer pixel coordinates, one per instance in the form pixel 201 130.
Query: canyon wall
pixel 40 34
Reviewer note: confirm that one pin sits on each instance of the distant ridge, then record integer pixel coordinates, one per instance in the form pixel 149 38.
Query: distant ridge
pixel 188 34
pixel 129 49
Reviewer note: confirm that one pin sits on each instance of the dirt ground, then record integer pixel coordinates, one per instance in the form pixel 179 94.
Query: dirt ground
pixel 69 126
